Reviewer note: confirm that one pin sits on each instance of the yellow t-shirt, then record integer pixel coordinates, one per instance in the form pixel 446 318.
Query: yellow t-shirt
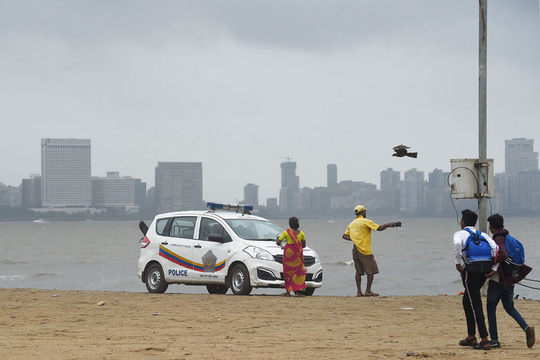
pixel 360 232
pixel 285 236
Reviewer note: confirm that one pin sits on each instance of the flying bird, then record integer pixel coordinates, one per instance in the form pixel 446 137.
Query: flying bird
pixel 401 151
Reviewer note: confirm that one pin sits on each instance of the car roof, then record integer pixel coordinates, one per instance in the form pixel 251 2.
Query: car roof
pixel 226 215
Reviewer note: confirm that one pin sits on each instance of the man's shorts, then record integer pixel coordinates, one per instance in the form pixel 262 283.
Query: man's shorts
pixel 364 264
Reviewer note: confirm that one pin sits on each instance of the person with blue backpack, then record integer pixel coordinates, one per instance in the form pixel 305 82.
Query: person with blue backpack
pixel 474 254
pixel 511 269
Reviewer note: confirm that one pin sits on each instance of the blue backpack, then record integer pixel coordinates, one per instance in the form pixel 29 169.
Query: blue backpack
pixel 477 253
pixel 516 256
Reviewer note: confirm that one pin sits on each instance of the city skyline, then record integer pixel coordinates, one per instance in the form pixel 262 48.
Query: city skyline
pixel 292 180
pixel 179 186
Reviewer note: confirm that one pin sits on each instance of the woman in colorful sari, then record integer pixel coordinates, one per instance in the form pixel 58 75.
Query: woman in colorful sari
pixel 294 269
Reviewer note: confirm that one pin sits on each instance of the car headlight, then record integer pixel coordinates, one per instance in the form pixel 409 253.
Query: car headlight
pixel 258 253
pixel 316 256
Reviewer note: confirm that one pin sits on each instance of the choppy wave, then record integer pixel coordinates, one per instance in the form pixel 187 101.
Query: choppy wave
pixel 12 278
pixel 41 221
pixel 47 274
pixel 11 262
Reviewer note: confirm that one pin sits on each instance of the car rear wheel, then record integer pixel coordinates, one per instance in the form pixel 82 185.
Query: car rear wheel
pixel 240 283
pixel 155 279
pixel 217 289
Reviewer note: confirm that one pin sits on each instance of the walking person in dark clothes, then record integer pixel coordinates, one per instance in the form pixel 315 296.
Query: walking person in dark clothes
pixel 501 286
pixel 473 282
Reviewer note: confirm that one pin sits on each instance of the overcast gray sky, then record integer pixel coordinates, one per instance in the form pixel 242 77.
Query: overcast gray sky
pixel 241 85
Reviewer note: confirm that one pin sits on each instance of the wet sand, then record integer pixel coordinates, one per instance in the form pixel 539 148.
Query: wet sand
pixel 49 324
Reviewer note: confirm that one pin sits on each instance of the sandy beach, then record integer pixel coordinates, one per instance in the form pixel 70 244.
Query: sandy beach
pixel 49 324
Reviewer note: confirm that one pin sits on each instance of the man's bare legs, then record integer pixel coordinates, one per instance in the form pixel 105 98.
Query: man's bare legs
pixel 368 292
pixel 358 279
pixel 368 287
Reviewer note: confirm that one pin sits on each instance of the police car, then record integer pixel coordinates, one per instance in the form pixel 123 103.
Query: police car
pixel 224 247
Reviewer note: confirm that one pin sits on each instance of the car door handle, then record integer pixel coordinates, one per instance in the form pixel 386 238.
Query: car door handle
pixel 198 246
pixel 164 243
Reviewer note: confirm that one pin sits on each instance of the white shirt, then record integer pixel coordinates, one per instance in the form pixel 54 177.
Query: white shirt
pixel 460 238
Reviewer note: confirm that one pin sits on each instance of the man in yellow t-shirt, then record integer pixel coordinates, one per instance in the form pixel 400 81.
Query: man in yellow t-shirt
pixel 359 232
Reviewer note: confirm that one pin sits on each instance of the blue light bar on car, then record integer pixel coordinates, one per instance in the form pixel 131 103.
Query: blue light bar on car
pixel 214 206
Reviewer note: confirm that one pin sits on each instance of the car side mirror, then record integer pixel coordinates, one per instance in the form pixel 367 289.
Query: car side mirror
pixel 218 238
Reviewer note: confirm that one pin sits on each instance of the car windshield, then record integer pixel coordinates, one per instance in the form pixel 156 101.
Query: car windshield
pixel 250 229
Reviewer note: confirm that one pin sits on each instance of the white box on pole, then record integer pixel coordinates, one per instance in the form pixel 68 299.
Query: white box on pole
pixel 464 179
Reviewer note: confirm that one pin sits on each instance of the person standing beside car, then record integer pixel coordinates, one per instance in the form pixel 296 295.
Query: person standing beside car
pixel 359 232
pixel 294 269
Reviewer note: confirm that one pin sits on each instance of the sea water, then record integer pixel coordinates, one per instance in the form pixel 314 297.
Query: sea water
pixel 415 259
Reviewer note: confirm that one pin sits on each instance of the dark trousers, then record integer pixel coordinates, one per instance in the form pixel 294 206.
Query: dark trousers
pixel 472 303
pixel 497 292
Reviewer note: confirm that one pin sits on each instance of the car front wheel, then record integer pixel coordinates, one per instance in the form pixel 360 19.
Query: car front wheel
pixel 240 283
pixel 155 279
pixel 308 291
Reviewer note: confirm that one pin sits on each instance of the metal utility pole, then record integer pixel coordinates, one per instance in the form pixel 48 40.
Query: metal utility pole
pixel 482 119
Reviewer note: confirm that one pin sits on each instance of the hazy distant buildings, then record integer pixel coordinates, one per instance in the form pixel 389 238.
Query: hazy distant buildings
pixel 340 197
pixel 437 201
pixel 178 186
pixel 412 191
pixel 529 191
pixel 390 190
pixel 140 194
pixel 438 179
pixel 272 203
pixel 301 200
pixel 10 196
pixel 272 206
pixel 350 193
pixel 331 176
pixel 251 195
pixel 66 173
pixel 66 185
pixel 519 156
pixel 31 192
pixel 114 191
pixel 290 184
pixel 517 190
pixel 289 179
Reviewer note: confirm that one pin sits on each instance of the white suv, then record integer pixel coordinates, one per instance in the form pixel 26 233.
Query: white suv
pixel 219 249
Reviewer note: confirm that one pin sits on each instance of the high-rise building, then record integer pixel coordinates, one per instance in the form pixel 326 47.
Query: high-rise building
pixel 412 191
pixel 113 191
pixel 390 190
pixel 437 201
pixel 519 156
pixel 31 192
pixel 66 173
pixel 331 176
pixel 438 179
pixel 251 195
pixel 179 186
pixel 529 192
pixel 414 174
pixel 389 179
pixel 290 184
pixel 289 179
pixel 140 193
